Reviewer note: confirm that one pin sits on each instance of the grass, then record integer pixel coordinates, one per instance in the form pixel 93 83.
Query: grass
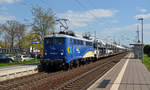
pixel 19 63
pixel 147 61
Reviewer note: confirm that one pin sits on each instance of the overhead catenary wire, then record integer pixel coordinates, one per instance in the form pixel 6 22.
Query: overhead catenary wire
pixel 108 25
pixel 81 5
pixel 84 7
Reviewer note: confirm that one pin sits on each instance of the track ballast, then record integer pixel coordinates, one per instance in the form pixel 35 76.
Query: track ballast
pixel 77 78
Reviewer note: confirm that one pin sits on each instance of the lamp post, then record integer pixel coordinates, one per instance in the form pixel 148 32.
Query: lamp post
pixel 141 19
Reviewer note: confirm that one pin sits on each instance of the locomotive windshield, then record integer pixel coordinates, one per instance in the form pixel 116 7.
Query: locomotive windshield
pixel 60 40
pixel 48 41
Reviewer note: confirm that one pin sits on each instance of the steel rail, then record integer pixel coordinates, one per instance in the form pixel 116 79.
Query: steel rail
pixel 82 75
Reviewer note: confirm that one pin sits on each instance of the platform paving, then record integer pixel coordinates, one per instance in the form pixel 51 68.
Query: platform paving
pixel 128 74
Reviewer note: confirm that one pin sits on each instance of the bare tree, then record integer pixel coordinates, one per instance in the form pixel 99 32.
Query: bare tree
pixel 20 34
pixel 0 30
pixel 7 41
pixel 10 28
pixel 43 21
pixel 14 32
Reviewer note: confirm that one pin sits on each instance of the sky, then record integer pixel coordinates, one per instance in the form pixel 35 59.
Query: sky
pixel 112 20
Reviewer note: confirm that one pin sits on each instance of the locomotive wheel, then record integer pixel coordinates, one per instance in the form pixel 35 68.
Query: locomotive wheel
pixel 76 63
pixel 70 65
pixel 83 61
pixel 79 62
pixel 43 67
pixel 66 66
pixel 87 61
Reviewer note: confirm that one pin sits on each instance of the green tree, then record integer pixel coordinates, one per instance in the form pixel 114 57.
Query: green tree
pixel 43 21
pixel 138 41
pixel 147 49
pixel 115 43
pixel 27 41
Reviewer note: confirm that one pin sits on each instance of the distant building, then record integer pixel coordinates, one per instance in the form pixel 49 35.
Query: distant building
pixel 9 50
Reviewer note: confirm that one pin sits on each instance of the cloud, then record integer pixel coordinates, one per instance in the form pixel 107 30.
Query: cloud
pixel 147 27
pixel 114 21
pixel 126 34
pixel 4 13
pixel 9 1
pixel 145 16
pixel 5 18
pixel 129 28
pixel 111 30
pixel 142 10
pixel 3 8
pixel 80 19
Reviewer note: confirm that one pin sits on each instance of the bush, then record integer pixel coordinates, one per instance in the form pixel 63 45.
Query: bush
pixel 147 49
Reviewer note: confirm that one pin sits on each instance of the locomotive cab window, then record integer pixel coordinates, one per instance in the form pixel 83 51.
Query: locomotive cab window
pixel 78 42
pixel 89 43
pixel 75 41
pixel 70 41
pixel 48 41
pixel 60 40
pixel 82 42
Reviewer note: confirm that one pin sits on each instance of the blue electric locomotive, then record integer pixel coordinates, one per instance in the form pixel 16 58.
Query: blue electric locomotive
pixel 62 49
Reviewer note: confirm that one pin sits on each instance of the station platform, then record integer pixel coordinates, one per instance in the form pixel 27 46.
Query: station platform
pixel 10 72
pixel 128 74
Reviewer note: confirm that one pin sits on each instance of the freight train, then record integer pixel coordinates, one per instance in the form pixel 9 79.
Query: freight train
pixel 67 50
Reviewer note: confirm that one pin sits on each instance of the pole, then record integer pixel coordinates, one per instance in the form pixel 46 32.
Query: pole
pixel 138 41
pixel 142 41
pixel 142 38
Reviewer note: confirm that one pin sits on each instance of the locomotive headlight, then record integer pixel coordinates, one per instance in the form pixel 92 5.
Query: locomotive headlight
pixel 61 53
pixel 45 53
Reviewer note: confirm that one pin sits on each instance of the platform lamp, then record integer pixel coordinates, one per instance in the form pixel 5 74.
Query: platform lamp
pixel 141 19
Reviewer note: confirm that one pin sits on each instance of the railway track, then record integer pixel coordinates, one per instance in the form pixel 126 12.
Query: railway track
pixel 84 80
pixel 77 78
pixel 79 81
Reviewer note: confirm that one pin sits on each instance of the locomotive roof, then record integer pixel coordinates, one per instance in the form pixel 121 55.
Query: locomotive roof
pixel 62 35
